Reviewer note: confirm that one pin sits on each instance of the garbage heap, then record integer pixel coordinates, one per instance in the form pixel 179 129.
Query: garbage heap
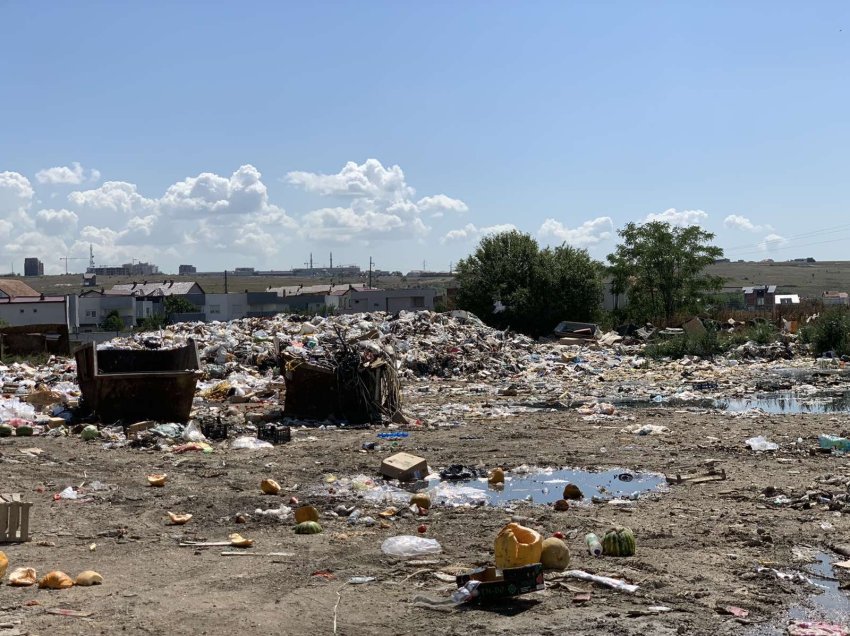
pixel 423 344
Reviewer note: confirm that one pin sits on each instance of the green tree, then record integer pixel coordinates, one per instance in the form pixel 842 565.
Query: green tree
pixel 510 282
pixel 171 306
pixel 662 269
pixel 178 305
pixel 112 322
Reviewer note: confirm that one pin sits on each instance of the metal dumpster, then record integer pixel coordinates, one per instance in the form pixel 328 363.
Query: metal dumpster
pixel 133 385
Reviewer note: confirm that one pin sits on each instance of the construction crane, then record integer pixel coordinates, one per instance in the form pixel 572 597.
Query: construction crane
pixel 70 258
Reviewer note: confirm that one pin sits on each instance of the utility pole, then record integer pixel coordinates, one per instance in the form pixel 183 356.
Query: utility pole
pixel 370 272
pixel 332 262
pixel 225 281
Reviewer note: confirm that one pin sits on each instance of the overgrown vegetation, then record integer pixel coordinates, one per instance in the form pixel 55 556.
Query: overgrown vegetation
pixel 510 282
pixel 112 322
pixel 830 332
pixel 711 343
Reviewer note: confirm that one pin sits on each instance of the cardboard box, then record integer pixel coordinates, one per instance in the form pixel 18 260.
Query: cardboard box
pixel 404 467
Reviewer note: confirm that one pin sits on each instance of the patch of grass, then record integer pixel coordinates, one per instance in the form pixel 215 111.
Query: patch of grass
pixel 706 345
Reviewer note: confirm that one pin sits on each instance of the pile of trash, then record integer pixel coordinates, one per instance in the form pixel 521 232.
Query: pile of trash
pixel 423 343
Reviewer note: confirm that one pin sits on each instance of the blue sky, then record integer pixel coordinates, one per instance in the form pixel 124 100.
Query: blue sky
pixel 226 134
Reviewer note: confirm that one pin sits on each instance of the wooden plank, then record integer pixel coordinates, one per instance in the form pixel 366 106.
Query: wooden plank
pixel 4 522
pixel 14 521
pixel 25 521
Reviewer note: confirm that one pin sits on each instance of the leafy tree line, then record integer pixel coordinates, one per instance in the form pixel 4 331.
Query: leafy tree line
pixel 510 282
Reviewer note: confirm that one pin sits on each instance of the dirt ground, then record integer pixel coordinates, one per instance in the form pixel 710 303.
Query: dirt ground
pixel 698 545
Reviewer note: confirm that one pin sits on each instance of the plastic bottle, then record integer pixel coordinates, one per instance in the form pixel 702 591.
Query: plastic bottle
pixel 593 545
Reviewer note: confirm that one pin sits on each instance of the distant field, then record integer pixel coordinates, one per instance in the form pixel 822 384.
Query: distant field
pixel 72 283
pixel 806 279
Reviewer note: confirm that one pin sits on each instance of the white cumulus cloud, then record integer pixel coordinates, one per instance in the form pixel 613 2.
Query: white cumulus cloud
pixel 56 222
pixel 587 234
pixel 16 192
pixel 470 232
pixel 382 204
pixel 738 222
pixel 681 218
pixel 114 196
pixel 208 194
pixel 74 174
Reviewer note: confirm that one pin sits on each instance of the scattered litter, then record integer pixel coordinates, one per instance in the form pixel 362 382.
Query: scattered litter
pixel 616 584
pixel 407 546
pixel 761 444
pixel 806 628
pixel 249 443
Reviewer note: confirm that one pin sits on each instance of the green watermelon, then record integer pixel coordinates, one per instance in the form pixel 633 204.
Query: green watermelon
pixel 23 431
pixel 5 430
pixel 308 527
pixel 618 542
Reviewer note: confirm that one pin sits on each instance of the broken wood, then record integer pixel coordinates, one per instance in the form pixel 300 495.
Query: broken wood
pixel 259 554
pixel 697 479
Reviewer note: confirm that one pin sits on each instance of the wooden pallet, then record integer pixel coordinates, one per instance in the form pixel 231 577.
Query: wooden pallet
pixel 14 519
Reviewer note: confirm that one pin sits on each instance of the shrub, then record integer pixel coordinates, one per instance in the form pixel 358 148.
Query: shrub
pixel 830 332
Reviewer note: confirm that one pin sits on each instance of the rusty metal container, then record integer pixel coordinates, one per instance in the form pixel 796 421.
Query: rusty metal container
pixel 133 385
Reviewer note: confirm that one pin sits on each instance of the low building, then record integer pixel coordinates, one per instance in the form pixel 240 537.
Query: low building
pixel 759 297
pixel 89 280
pixel 835 298
pixel 353 301
pixel 33 310
pixel 89 310
pixel 187 270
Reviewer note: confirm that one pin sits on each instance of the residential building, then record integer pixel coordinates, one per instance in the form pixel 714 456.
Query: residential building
pixel 87 311
pixel 835 298
pixel 187 270
pixel 89 280
pixel 759 297
pixel 33 267
pixel 141 269
pixel 33 310
pixel 165 288
pixel 224 307
pixel 108 271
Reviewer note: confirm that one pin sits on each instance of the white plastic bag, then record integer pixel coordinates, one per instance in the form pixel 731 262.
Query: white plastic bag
pixel 249 443
pixel 409 546
pixel 761 444
pixel 192 433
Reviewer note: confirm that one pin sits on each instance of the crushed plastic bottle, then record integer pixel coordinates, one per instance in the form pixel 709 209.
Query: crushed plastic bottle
pixel 593 544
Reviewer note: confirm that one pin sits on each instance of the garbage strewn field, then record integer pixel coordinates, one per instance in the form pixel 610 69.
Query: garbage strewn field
pixel 738 514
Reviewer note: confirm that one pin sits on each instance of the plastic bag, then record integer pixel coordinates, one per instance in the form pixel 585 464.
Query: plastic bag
pixel 192 433
pixel 409 546
pixel 249 443
pixel 761 444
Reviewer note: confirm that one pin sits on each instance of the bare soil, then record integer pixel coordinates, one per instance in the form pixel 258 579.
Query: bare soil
pixel 698 545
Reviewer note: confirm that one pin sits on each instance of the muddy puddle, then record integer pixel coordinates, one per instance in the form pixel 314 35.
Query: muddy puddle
pixel 830 605
pixel 786 402
pixel 546 487
pixel 777 403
